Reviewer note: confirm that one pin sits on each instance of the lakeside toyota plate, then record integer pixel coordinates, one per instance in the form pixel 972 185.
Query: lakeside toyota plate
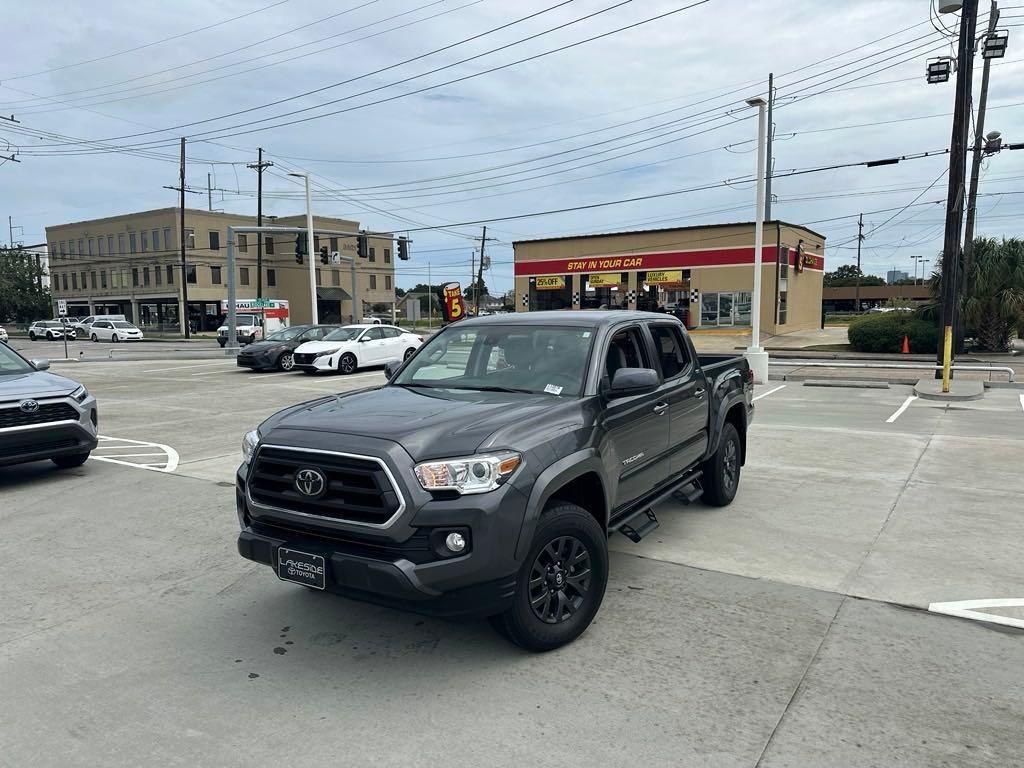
pixel 301 568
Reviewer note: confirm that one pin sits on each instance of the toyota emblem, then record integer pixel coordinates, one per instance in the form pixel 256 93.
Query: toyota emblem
pixel 310 482
pixel 28 406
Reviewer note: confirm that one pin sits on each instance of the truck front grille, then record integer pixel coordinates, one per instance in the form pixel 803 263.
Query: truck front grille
pixel 357 489
pixel 15 417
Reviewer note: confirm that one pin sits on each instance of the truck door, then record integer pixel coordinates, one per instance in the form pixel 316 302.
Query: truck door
pixel 684 391
pixel 637 426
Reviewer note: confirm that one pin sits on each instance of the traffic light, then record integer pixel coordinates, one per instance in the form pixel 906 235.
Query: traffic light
pixel 362 246
pixel 300 248
pixel 325 257
pixel 403 248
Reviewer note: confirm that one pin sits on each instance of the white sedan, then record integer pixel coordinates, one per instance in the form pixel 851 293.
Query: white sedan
pixel 114 330
pixel 3 333
pixel 356 346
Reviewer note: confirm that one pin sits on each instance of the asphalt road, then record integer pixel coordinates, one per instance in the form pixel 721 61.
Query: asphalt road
pixel 789 629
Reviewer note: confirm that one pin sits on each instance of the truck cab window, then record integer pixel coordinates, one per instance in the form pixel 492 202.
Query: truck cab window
pixel 671 351
pixel 626 350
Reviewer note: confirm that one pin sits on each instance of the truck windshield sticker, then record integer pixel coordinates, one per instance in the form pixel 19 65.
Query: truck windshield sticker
pixel 551 389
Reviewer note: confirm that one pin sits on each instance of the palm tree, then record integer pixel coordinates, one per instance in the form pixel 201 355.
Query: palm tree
pixel 993 300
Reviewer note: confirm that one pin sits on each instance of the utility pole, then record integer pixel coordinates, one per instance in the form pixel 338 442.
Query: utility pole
pixel 10 232
pixel 860 239
pixel 430 299
pixel 472 269
pixel 955 193
pixel 181 238
pixel 259 167
pixel 480 273
pixel 755 353
pixel 972 196
pixel 771 158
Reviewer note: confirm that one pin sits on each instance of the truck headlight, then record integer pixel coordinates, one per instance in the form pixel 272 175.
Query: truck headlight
pixel 474 474
pixel 249 443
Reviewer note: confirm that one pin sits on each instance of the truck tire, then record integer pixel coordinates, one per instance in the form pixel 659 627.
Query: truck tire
pixel 721 475
pixel 561 583
pixel 69 462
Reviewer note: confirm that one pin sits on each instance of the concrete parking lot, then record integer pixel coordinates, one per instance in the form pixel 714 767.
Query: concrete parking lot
pixel 789 629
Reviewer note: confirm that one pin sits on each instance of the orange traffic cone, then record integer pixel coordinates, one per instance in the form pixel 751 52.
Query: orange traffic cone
pixel 906 345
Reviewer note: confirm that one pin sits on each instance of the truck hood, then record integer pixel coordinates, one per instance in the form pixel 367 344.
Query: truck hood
pixel 312 347
pixel 429 424
pixel 18 386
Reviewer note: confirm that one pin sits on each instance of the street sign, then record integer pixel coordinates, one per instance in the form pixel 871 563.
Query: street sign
pixel 62 307
pixel 262 303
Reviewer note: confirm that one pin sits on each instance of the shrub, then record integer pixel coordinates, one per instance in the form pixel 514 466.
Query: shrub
pixel 885 332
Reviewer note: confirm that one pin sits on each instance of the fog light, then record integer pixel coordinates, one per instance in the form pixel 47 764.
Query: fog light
pixel 455 542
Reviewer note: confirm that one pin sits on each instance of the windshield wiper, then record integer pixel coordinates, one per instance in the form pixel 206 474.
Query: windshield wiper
pixel 496 389
pixel 417 384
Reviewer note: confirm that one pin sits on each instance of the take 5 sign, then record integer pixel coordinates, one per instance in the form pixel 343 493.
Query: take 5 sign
pixel 454 307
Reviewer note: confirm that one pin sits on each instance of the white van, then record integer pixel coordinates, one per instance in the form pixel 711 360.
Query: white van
pixel 84 325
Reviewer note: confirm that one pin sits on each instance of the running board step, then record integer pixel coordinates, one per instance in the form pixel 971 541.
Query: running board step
pixel 689 494
pixel 639 525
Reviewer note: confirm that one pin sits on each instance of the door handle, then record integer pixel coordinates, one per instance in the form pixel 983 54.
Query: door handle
pixel 698 393
pixel 660 408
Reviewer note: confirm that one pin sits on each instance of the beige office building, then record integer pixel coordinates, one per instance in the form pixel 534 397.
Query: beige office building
pixel 131 265
pixel 704 274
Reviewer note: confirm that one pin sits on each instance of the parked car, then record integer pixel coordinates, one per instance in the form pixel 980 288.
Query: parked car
pixel 42 415
pixel 351 347
pixel 114 330
pixel 276 352
pixel 84 325
pixel 3 334
pixel 486 475
pixel 50 330
pixel 248 328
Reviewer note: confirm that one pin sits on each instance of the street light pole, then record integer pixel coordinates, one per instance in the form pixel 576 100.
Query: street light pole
pixel 755 354
pixel 309 251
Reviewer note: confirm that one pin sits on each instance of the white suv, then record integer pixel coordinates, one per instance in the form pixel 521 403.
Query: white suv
pixel 50 330
pixel 114 330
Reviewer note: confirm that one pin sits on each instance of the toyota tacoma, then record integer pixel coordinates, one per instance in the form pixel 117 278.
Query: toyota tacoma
pixel 486 475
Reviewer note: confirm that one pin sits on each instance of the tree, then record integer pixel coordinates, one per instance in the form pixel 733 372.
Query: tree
pixel 470 291
pixel 399 292
pixel 846 275
pixel 21 298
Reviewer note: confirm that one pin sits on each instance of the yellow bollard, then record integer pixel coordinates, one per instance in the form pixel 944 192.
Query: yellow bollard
pixel 947 354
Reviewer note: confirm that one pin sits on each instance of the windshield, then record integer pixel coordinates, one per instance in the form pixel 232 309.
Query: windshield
pixel 12 362
pixel 519 358
pixel 123 324
pixel 348 333
pixel 286 334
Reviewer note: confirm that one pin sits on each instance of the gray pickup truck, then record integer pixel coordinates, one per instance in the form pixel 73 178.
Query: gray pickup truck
pixel 486 475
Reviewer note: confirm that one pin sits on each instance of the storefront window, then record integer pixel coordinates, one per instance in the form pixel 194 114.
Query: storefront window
pixel 604 290
pixel 725 308
pixel 549 292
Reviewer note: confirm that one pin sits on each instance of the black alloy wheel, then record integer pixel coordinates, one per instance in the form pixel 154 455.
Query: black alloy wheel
pixel 408 353
pixel 347 363
pixel 559 580
pixel 721 473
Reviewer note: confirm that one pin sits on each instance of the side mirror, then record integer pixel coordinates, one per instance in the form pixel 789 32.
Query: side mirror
pixel 41 365
pixel 391 369
pixel 363 338
pixel 633 381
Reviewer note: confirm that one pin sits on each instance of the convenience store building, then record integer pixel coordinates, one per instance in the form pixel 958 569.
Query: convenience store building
pixel 705 273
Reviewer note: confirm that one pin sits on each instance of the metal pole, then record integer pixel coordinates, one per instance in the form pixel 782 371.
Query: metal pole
pixel 756 356
pixel 770 159
pixel 860 239
pixel 10 232
pixel 259 167
pixel 181 237
pixel 972 195
pixel 955 193
pixel 209 194
pixel 480 273
pixel 355 290
pixel 309 253
pixel 232 346
pixel 430 299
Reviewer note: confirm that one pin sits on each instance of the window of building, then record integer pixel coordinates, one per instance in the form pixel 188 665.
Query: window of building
pixel 214 241
pixel 168 239
pixel 334 244
pixel 243 243
pixel 271 277
pixel 120 245
pixel 145 241
pixel 92 280
pixel 243 275
pixel 74 280
pixel 110 243
pixel 190 274
pixel 268 246
pixel 335 277
pixel 783 306
pixel 132 242
pixel 64 281
pixel 145 275
pixel 319 277
pixel 135 277
pixel 316 243
pixel 387 255
pixel 373 253
pixel 103 278
pixel 81 248
pixel 83 279
pixel 90 243
pixel 215 275
pixel 555 292
pixel 156 239
pixel 99 246
pixel 190 239
pixel 158 275
pixel 387 282
pixel 373 282
pixel 170 274
pixel 61 251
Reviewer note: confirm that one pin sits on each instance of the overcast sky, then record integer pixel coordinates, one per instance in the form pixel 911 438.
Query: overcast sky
pixel 657 108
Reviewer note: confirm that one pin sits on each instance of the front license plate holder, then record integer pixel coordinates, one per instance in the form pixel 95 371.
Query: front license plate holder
pixel 301 568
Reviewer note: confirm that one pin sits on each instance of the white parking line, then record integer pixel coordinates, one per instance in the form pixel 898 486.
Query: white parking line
pixel 901 409
pixel 182 367
pixel 966 609
pixel 769 392
pixel 169 464
pixel 1022 402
